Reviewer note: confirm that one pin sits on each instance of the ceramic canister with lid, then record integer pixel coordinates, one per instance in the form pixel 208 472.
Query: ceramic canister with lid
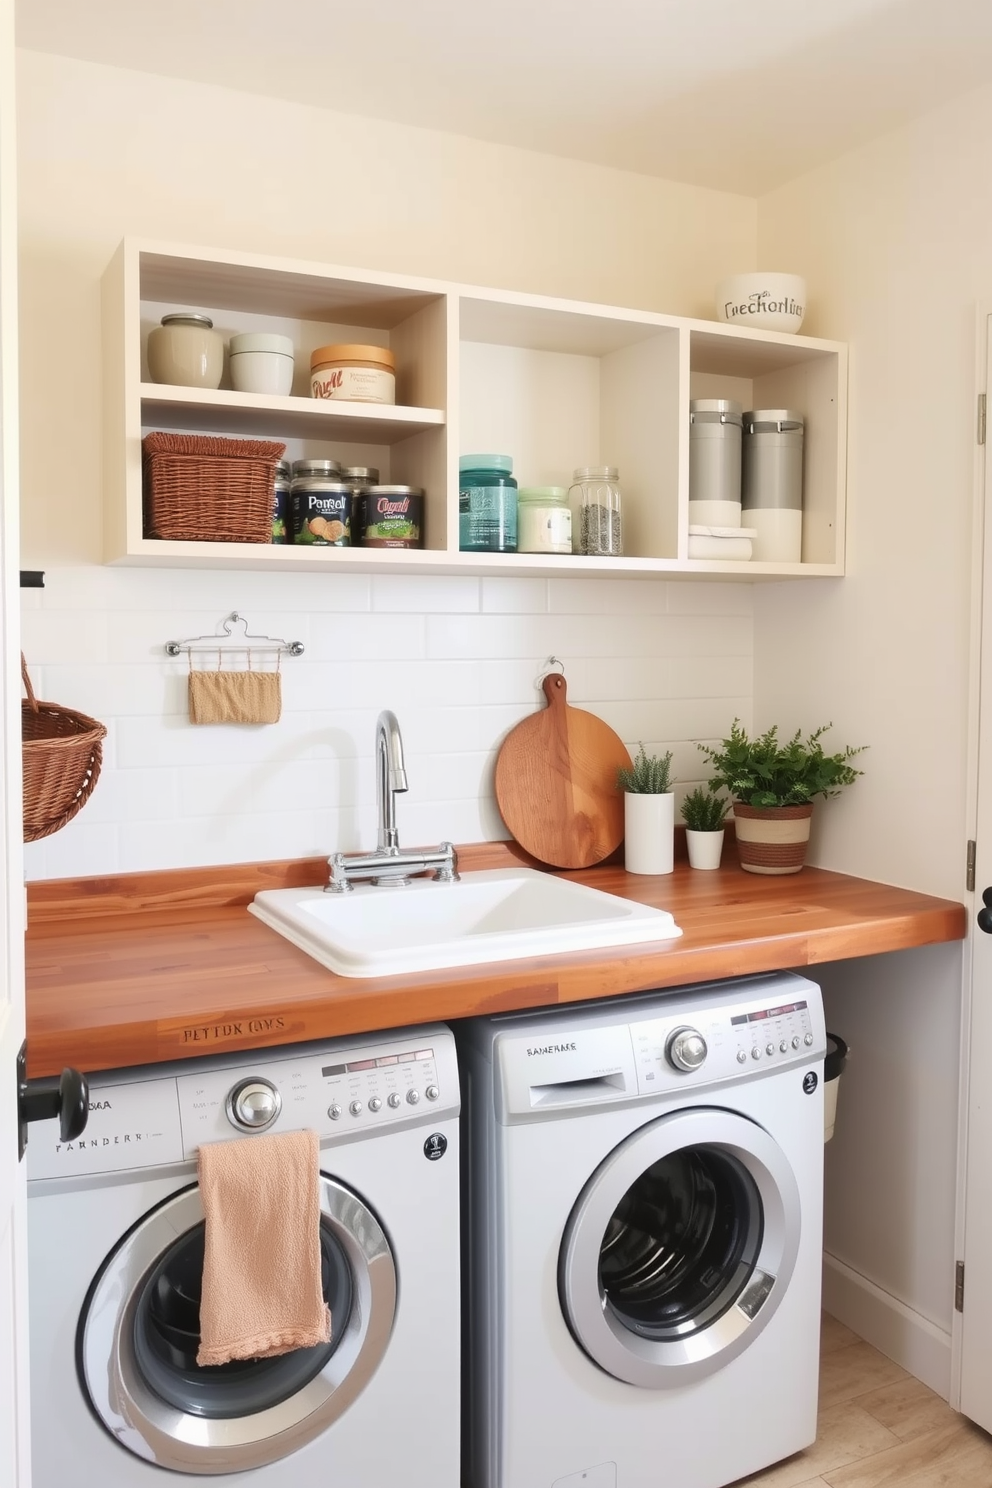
pixel 186 351
pixel 715 462
pixel 487 504
pixel 363 374
pixel 544 520
pixel 262 363
pixel 772 483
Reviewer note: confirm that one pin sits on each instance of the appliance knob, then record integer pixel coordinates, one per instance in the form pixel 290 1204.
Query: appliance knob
pixel 253 1104
pixel 393 1100
pixel 355 1108
pixel 808 1039
pixel 413 1097
pixel 686 1049
pixel 795 1041
pixel 432 1093
pixel 334 1111
pixel 769 1048
pixel 375 1104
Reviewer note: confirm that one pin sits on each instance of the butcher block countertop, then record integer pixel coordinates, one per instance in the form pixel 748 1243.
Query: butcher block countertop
pixel 148 967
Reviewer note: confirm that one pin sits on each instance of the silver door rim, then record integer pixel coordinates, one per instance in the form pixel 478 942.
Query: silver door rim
pixel 608 1342
pixel 171 1438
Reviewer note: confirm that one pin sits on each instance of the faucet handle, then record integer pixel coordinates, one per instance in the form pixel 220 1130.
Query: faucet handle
pixel 339 882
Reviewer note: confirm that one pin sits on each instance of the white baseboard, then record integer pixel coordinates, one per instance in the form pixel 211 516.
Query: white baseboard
pixel 888 1325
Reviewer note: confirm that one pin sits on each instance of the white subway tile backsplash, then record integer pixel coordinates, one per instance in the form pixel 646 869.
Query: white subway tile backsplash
pixel 459 660
pixel 418 593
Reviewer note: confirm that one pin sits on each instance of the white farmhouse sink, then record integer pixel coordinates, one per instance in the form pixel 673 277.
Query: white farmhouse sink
pixel 498 915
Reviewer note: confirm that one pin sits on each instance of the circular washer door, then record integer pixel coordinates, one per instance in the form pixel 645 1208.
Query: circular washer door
pixel 680 1248
pixel 139 1333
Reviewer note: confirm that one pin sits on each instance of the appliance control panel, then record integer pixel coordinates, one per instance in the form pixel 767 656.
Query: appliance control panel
pixel 140 1120
pixel 719 1042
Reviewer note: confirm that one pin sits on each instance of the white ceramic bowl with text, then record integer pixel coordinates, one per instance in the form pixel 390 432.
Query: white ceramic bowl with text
pixel 765 302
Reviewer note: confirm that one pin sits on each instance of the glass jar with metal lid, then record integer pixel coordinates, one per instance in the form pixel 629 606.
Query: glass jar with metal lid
pixel 328 469
pixel 544 521
pixel 600 523
pixel 186 351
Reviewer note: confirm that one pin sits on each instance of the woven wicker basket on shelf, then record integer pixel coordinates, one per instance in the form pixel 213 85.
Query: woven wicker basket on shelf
pixel 62 753
pixel 202 488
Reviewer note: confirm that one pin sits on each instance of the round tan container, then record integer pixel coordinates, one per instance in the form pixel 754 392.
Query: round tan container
pixel 362 374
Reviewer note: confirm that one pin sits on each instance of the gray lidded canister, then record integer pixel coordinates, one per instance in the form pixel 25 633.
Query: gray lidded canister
pixel 773 459
pixel 772 483
pixel 714 450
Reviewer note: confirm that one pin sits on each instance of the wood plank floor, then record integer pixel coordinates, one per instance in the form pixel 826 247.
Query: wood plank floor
pixel 880 1428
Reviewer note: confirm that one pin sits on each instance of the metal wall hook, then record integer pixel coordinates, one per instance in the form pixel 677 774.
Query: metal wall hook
pixel 216 642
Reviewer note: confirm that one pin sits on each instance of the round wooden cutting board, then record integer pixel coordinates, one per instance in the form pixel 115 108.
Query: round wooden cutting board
pixel 556 783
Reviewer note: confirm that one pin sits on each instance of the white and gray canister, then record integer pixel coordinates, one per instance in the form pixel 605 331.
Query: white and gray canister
pixel 772 483
pixel 715 462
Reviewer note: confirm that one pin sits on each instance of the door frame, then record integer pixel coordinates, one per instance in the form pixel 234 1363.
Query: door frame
pixel 982 455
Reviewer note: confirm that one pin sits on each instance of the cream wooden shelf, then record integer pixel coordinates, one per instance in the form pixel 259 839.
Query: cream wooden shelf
pixel 555 383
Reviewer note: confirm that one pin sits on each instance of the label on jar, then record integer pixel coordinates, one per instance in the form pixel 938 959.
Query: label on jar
pixel 390 520
pixel 487 519
pixel 282 513
pixel 359 384
pixel 322 519
pixel 543 529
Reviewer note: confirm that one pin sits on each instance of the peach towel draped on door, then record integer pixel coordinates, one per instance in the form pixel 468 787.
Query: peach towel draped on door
pixel 261 1292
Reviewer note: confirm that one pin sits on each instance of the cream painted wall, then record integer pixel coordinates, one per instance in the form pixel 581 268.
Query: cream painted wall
pixel 104 153
pixel 896 242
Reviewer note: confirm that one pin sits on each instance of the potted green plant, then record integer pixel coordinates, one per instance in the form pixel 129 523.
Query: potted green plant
pixel 704 813
pixel 773 785
pixel 648 813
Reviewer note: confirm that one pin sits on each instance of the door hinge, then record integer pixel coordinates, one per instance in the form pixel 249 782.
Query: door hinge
pixel 969 871
pixel 959 1286
pixel 981 418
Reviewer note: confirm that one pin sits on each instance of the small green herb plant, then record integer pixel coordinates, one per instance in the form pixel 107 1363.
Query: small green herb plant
pixel 650 775
pixel 766 772
pixel 702 811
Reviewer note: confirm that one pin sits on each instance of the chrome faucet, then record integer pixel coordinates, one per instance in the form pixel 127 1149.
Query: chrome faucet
pixel 390 778
pixel 389 864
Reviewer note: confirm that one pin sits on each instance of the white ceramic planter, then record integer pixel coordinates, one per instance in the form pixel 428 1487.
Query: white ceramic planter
pixel 649 833
pixel 705 848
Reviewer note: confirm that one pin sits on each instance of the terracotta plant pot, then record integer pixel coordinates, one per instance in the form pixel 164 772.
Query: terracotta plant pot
pixel 772 839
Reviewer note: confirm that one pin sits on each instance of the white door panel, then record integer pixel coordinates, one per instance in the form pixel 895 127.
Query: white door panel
pixel 14 1422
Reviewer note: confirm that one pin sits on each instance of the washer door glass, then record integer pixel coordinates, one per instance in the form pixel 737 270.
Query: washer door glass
pixel 680 1247
pixel 139 1333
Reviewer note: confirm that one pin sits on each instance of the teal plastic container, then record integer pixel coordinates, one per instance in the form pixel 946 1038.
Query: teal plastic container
pixel 487 504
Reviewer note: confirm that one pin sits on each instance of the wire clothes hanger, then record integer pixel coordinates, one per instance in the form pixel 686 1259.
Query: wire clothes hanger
pixel 240 643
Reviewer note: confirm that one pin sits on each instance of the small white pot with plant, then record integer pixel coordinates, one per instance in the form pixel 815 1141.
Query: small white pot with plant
pixel 704 813
pixel 648 813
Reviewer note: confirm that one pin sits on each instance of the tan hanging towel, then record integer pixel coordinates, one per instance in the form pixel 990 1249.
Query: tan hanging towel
pixel 235 697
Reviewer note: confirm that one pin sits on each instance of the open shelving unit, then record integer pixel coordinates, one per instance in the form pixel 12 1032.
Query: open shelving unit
pixel 555 383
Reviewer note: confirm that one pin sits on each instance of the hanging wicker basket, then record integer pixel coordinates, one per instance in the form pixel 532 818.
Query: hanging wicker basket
pixel 62 753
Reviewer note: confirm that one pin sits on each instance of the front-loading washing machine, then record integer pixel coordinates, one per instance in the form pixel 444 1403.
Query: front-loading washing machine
pixel 643 1242
pixel 115 1263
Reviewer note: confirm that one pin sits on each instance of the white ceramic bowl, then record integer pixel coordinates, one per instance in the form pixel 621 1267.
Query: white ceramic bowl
pixel 767 302
pixel 262 363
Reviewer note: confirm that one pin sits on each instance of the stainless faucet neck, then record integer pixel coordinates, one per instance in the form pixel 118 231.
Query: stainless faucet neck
pixel 390 778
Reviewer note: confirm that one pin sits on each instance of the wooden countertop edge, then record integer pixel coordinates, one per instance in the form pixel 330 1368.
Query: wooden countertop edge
pixel 205 971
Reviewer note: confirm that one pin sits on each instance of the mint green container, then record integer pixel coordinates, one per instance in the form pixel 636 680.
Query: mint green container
pixel 487 504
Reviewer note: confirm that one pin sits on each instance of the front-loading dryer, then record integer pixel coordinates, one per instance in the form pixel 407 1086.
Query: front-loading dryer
pixel 115 1263
pixel 643 1244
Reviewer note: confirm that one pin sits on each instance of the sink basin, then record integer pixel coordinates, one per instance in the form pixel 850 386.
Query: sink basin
pixel 498 915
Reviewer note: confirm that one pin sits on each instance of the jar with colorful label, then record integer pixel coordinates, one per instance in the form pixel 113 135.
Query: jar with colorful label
pixel 487 504
pixel 321 513
pixel 544 521
pixel 392 517
pixel 282 513
pixel 362 374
